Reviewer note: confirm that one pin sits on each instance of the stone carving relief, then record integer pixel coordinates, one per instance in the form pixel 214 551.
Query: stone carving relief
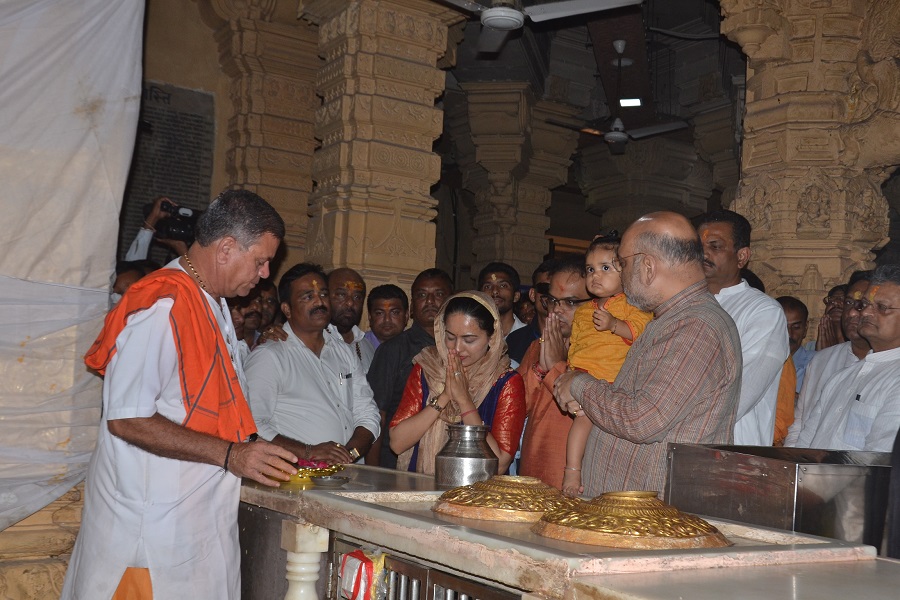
pixel 866 209
pixel 756 205
pixel 813 212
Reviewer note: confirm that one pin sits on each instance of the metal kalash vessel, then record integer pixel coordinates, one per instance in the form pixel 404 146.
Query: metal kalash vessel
pixel 465 458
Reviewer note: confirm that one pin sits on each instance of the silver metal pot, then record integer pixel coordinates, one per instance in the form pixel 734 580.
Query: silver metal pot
pixel 465 458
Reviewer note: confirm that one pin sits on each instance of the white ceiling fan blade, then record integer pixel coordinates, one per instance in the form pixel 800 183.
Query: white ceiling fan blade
pixel 643 132
pixel 568 8
pixel 491 40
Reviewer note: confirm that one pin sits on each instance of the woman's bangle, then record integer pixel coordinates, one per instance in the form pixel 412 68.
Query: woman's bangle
pixel 468 412
pixel 615 324
pixel 227 456
pixel 433 403
pixel 538 371
pixel 571 469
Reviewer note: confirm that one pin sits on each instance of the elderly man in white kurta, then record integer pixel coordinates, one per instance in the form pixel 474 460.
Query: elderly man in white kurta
pixel 308 393
pixel 829 361
pixel 163 485
pixel 859 408
pixel 759 319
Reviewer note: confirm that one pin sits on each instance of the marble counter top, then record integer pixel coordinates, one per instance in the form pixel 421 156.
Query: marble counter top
pixel 392 510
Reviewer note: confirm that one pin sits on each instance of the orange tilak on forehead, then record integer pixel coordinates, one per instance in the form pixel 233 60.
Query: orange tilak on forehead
pixel 315 284
pixel 857 295
pixel 354 286
pixel 872 291
pixel 494 277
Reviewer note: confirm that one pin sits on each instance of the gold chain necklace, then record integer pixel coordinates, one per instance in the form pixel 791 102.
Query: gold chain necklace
pixel 196 275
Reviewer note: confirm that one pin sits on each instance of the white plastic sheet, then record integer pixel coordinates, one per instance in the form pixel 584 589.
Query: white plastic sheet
pixel 70 93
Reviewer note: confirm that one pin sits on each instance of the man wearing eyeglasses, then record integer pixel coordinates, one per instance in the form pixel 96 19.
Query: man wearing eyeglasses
pixel 759 319
pixel 859 406
pixel 681 379
pixel 547 429
pixel 832 359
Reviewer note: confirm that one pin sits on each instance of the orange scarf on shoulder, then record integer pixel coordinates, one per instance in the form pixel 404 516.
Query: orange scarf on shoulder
pixel 211 391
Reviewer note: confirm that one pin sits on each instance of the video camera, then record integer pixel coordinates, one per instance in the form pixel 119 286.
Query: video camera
pixel 178 226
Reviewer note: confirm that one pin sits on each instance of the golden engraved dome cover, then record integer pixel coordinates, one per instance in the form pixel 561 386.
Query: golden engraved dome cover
pixel 502 498
pixel 630 519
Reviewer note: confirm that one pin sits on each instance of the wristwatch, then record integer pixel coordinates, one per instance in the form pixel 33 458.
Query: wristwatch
pixel 354 453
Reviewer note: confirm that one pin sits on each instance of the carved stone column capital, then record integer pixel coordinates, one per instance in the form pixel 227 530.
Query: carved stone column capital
pixel 654 174
pixel 757 25
pixel 820 130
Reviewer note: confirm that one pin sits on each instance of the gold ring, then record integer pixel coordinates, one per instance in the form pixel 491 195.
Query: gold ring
pixel 457 374
pixel 541 340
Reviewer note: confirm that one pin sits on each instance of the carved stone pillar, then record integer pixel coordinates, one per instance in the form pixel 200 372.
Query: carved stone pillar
pixel 518 158
pixel 820 136
pixel 654 174
pixel 272 67
pixel 372 209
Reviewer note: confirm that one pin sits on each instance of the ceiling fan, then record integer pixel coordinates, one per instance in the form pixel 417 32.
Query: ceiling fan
pixel 500 17
pixel 616 136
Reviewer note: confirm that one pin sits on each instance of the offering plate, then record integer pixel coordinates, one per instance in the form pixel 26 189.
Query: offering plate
pixel 636 520
pixel 502 498
pixel 304 473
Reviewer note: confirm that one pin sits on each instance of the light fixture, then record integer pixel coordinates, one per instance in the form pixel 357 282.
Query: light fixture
pixel 502 18
pixel 629 102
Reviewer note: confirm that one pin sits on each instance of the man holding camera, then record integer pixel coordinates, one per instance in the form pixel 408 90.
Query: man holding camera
pixel 162 208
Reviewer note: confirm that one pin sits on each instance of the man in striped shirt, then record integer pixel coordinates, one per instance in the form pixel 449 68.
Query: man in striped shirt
pixel 681 380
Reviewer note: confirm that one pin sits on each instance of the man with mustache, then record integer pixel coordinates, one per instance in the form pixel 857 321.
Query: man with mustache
pixel 759 319
pixel 347 293
pixel 829 361
pixel 309 393
pixel 393 360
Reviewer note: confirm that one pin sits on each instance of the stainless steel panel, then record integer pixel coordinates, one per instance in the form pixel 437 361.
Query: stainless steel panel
pixel 836 494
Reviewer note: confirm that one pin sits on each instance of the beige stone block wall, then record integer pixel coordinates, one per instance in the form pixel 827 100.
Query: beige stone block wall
pixel 34 552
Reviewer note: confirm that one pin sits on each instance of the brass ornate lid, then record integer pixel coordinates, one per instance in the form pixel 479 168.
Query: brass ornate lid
pixel 637 520
pixel 502 498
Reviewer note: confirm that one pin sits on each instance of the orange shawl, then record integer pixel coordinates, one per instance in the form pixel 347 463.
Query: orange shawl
pixel 211 391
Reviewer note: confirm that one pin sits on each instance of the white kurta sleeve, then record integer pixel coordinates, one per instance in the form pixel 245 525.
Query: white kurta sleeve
pixel 263 373
pixel 365 411
pixel 764 347
pixel 143 366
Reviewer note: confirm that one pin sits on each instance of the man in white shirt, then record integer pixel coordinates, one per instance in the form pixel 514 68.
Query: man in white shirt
pixel 829 361
pixel 346 294
pixel 859 408
pixel 308 393
pixel 176 437
pixel 759 319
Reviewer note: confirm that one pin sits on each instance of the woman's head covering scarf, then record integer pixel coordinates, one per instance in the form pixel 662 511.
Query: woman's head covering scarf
pixel 481 376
